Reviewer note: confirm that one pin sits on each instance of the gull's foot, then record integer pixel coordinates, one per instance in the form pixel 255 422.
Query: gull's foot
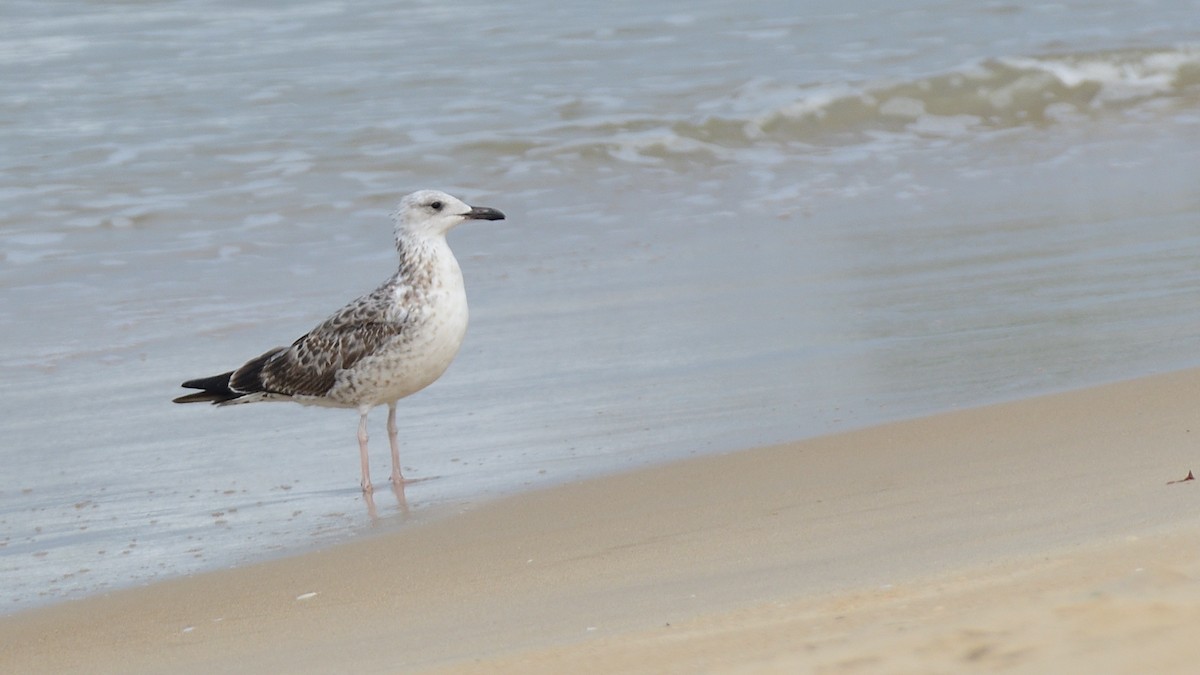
pixel 372 512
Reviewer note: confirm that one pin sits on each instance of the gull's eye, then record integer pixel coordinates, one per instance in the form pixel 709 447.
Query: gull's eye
pixel 436 206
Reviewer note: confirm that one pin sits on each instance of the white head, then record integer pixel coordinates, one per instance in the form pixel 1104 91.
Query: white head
pixel 431 213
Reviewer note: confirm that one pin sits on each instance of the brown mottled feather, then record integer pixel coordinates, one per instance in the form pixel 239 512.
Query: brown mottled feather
pixel 310 366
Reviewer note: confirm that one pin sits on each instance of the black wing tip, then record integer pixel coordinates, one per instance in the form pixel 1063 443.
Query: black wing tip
pixel 204 397
pixel 215 390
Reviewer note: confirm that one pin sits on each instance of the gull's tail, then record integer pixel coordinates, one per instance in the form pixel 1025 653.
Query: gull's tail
pixel 214 390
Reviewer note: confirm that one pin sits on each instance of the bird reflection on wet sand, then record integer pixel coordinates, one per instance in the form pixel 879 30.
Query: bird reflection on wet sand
pixel 401 502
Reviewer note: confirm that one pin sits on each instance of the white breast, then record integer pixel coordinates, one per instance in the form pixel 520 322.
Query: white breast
pixel 435 316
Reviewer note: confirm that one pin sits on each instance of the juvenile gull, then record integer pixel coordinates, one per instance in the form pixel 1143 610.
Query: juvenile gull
pixel 387 344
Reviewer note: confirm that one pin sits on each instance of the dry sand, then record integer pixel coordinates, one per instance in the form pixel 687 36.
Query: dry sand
pixel 1035 536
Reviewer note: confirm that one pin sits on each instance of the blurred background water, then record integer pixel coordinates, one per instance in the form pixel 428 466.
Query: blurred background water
pixel 728 225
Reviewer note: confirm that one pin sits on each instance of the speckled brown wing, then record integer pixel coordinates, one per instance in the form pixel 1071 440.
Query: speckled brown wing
pixel 309 367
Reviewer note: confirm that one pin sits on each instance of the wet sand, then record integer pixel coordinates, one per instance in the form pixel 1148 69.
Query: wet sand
pixel 1036 536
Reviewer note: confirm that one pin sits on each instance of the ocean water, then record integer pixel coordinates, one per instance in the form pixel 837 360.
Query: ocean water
pixel 728 225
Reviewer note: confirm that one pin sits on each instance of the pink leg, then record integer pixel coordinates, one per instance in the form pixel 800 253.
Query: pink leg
pixel 397 478
pixel 362 450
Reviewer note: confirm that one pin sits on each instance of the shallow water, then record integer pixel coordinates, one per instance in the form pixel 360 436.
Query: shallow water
pixel 728 226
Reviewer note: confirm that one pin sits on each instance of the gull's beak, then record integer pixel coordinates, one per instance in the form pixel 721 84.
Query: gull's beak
pixel 483 213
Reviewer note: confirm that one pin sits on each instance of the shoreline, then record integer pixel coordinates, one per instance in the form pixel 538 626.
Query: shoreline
pixel 598 568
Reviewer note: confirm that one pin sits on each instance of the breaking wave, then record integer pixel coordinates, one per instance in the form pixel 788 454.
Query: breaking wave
pixel 1000 93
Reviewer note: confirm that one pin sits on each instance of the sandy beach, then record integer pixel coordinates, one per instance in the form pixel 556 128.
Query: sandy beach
pixel 1042 535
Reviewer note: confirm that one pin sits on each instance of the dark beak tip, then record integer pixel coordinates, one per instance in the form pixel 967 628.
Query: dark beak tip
pixel 484 213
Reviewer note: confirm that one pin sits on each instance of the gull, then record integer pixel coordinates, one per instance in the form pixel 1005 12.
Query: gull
pixel 387 344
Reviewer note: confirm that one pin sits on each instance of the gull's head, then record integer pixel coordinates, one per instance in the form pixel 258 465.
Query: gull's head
pixel 434 213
